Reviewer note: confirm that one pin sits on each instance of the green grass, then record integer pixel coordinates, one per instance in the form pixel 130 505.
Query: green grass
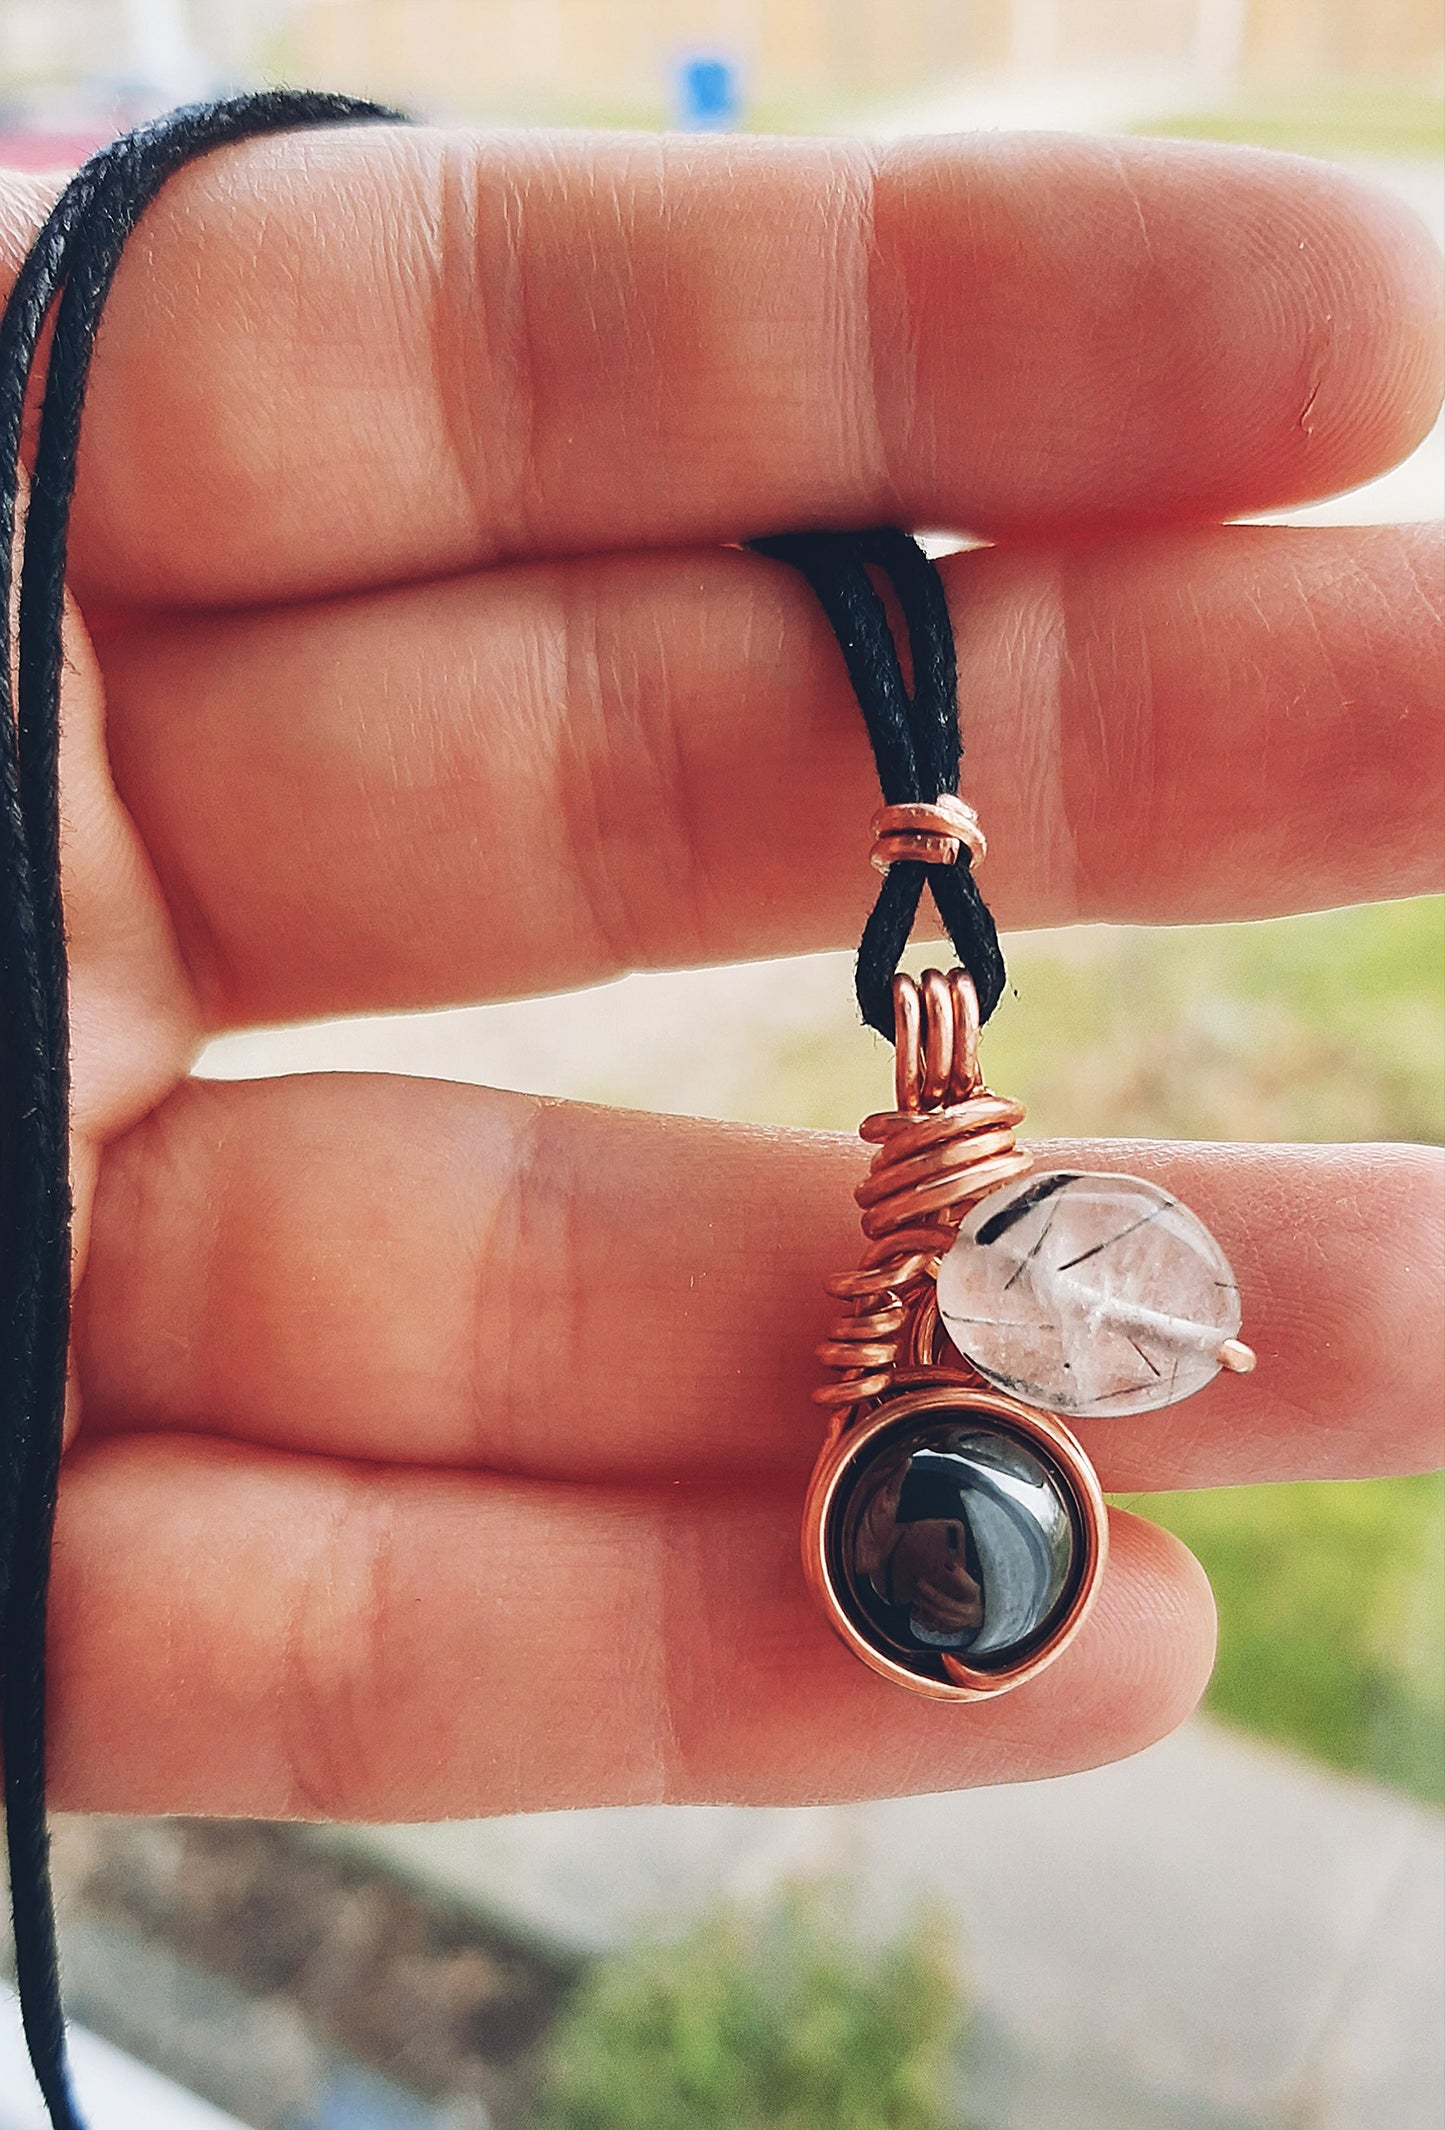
pixel 1332 119
pixel 1325 1027
pixel 760 2021
pixel 1330 1605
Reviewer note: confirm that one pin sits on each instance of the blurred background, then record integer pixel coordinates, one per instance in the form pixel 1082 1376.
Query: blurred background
pixel 1241 1930
pixel 1368 75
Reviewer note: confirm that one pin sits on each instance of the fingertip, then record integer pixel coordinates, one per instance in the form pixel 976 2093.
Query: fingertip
pixel 822 1728
pixel 1372 270
pixel 1139 1667
pixel 1165 1620
pixel 1279 316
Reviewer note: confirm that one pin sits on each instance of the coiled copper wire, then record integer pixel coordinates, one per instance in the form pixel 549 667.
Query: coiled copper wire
pixel 932 833
pixel 947 1143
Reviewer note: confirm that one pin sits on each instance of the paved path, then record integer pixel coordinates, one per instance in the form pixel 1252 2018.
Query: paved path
pixel 1213 1936
pixel 116 2092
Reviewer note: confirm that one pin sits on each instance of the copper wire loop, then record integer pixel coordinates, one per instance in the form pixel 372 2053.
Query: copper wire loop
pixel 948 1142
pixel 931 834
pixel 935 1039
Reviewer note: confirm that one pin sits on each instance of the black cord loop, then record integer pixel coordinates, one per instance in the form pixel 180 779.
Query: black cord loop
pixel 915 740
pixel 68 273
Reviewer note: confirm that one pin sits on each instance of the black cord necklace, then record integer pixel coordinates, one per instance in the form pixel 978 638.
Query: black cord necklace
pixel 66 277
pixel 954 1530
pixel 67 274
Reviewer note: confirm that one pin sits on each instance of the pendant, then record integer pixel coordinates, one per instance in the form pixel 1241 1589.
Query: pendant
pixel 955 1532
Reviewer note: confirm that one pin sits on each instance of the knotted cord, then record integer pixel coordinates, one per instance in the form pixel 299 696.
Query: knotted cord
pixel 915 741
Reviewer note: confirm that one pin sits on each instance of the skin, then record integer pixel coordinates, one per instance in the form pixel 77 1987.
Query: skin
pixel 439 1450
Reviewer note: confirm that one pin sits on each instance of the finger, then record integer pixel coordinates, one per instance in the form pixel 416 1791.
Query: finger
pixel 131 1017
pixel 289 1637
pixel 348 359
pixel 132 1020
pixel 534 778
pixel 409 1270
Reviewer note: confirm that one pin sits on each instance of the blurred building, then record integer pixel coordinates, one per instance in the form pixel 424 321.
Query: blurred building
pixel 799 60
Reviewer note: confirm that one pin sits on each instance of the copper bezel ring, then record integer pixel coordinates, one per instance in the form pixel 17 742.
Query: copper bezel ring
pixel 931 1393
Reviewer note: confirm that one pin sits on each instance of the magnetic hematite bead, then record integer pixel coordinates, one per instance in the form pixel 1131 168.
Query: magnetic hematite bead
pixel 1090 1295
pixel 955 1535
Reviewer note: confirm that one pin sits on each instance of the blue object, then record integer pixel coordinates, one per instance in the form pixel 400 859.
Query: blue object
pixel 359 2100
pixel 709 93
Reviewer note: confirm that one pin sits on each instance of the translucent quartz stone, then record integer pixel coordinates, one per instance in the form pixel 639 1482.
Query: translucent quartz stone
pixel 954 1535
pixel 1090 1295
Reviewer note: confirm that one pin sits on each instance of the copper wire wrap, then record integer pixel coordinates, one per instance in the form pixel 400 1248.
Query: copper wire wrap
pixel 933 834
pixel 947 1143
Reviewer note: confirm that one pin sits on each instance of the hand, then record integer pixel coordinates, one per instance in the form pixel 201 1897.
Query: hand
pixel 440 1450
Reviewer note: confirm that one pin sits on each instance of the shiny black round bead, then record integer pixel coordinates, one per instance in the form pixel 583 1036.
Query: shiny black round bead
pixel 954 1535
